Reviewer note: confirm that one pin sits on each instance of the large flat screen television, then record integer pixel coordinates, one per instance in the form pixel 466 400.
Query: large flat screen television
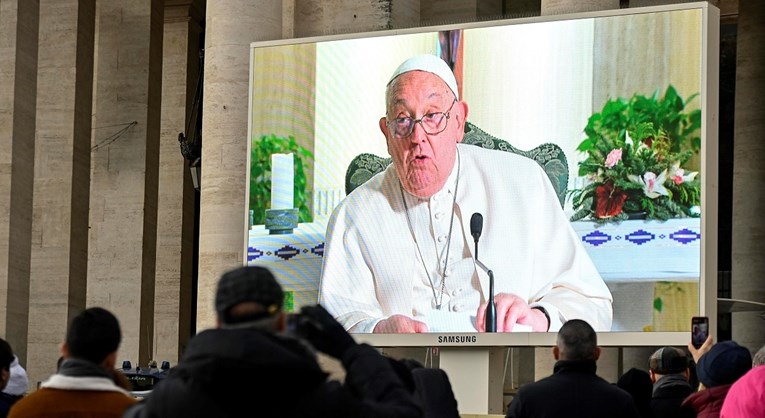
pixel 617 91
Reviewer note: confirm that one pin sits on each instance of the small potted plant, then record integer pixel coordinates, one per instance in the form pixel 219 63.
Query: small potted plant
pixel 637 151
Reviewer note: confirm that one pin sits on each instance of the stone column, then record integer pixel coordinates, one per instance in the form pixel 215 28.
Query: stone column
pixel 62 177
pixel 556 7
pixel 748 263
pixel 230 28
pixel 176 201
pixel 124 164
pixel 18 84
pixel 322 17
pixel 441 11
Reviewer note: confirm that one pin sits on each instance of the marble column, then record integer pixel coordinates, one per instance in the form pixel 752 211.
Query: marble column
pixel 62 177
pixel 748 231
pixel 230 28
pixel 124 164
pixel 556 7
pixel 441 11
pixel 326 17
pixel 18 84
pixel 176 201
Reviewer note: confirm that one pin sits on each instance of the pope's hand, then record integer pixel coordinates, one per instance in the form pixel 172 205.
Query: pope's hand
pixel 400 324
pixel 512 310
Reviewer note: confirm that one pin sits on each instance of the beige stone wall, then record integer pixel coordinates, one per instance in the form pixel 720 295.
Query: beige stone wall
pixel 124 164
pixel 18 93
pixel 62 178
pixel 748 263
pixel 176 195
pixel 230 28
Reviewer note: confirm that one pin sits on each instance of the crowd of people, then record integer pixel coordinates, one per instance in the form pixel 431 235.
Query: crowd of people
pixel 252 359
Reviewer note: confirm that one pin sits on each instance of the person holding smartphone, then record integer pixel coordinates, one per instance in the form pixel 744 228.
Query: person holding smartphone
pixel 250 363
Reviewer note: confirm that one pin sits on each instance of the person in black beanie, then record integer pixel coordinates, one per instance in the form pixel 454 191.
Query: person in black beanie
pixel 717 370
pixel 251 365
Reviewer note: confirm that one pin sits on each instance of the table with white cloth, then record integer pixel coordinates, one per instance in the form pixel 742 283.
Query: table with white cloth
pixel 294 259
pixel 634 255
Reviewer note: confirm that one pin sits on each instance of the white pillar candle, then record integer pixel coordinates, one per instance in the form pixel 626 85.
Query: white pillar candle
pixel 282 181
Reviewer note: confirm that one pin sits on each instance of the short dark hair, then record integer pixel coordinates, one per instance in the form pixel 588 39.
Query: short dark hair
pixel 93 335
pixel 577 340
pixel 6 355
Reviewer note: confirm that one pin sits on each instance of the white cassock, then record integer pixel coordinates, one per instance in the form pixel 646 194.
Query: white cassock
pixel 377 265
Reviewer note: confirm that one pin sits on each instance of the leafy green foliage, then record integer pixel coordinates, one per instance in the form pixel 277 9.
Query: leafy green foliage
pixel 260 175
pixel 632 144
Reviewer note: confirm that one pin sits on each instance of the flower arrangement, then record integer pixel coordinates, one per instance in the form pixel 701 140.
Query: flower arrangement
pixel 635 166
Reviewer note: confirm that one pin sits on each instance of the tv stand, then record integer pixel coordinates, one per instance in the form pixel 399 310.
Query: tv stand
pixel 476 375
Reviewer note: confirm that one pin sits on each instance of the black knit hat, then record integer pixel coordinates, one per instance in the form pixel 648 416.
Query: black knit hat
pixel 723 364
pixel 668 360
pixel 248 284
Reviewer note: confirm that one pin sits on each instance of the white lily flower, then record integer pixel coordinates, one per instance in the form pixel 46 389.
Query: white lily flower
pixel 628 140
pixel 653 185
pixel 678 175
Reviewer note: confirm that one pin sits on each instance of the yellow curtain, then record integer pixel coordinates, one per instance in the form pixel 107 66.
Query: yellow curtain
pixel 674 303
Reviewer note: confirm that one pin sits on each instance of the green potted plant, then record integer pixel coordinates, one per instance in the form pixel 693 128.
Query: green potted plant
pixel 637 150
pixel 260 175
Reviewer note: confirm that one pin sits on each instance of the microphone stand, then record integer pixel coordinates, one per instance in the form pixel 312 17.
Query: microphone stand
pixel 491 307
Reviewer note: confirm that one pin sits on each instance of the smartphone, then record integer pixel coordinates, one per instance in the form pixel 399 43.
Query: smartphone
pixel 292 322
pixel 699 330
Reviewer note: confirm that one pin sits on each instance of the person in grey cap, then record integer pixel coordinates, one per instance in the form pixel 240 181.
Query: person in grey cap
pixel 670 374
pixel 251 365
pixel 398 254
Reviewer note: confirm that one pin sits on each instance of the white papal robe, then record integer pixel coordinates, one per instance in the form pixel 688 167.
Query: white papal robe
pixel 377 265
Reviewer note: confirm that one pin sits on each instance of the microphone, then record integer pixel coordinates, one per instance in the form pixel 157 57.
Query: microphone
pixel 476 227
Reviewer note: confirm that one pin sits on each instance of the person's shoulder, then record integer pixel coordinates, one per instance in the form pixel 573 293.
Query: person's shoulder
pixel 28 404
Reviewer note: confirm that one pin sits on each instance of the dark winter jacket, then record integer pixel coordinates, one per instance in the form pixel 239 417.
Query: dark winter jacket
pixel 573 391
pixel 705 403
pixel 246 372
pixel 668 393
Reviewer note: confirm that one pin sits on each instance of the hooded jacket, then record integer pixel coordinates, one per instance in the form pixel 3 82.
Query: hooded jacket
pixel 246 372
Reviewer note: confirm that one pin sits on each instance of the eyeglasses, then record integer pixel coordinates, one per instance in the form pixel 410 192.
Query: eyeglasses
pixel 432 123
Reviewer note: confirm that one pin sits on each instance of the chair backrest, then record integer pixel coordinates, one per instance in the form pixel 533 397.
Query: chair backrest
pixel 548 155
